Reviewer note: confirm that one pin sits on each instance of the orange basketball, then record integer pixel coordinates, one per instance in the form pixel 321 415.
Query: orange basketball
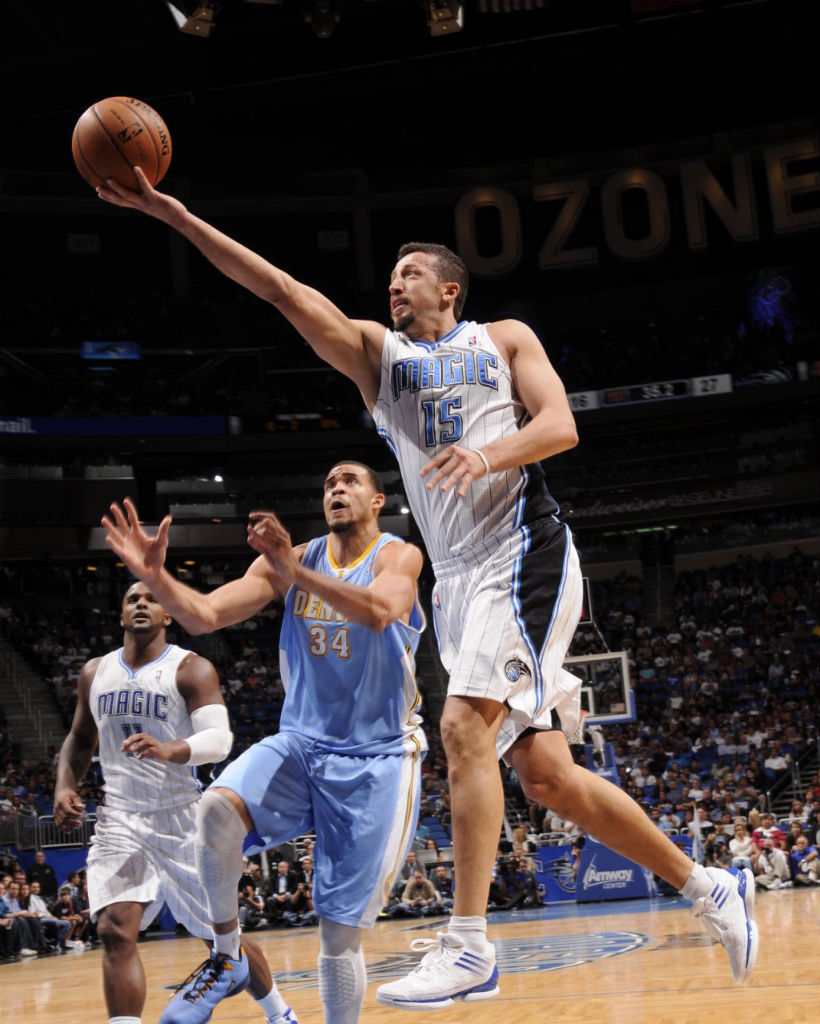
pixel 119 133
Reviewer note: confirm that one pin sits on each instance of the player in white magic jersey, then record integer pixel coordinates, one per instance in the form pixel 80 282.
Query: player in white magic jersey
pixel 346 759
pixel 156 712
pixel 508 594
pixel 459 390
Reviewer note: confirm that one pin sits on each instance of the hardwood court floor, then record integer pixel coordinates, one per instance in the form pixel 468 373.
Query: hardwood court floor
pixel 631 962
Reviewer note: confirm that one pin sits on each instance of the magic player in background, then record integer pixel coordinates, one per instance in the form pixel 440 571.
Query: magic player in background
pixel 157 711
pixel 470 410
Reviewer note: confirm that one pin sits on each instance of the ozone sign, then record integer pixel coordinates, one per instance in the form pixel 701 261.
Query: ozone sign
pixel 792 189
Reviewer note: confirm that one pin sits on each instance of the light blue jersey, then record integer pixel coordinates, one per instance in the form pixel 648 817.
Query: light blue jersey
pixel 347 758
pixel 350 689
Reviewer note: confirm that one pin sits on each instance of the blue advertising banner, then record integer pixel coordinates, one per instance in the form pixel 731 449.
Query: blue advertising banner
pixel 113 426
pixel 553 870
pixel 110 350
pixel 604 875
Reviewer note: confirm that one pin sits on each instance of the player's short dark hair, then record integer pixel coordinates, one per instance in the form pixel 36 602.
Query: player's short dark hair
pixel 449 267
pixel 373 476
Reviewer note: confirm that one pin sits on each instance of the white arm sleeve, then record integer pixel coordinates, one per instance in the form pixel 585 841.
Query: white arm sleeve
pixel 212 739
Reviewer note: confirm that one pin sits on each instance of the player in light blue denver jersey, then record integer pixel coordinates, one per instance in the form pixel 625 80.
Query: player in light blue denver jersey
pixel 346 760
pixel 470 411
pixel 375 679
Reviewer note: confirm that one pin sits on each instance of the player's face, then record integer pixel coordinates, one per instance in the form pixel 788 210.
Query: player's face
pixel 415 289
pixel 349 497
pixel 142 614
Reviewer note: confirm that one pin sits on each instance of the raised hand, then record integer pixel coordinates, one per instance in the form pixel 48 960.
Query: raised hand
pixel 143 553
pixel 268 536
pixel 147 200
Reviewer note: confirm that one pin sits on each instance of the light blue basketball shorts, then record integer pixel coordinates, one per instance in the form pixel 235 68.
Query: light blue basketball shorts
pixel 364 811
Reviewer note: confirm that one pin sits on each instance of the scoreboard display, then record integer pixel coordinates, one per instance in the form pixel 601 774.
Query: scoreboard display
pixel 655 391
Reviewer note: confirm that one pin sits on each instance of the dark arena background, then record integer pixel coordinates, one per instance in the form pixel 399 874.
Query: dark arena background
pixel 639 181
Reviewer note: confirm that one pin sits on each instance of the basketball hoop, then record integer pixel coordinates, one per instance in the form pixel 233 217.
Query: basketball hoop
pixel 577 734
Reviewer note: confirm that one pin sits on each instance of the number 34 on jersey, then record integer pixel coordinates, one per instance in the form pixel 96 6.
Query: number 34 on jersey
pixel 329 634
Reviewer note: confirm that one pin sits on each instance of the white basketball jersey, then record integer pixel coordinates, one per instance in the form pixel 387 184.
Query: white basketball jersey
pixel 458 390
pixel 124 702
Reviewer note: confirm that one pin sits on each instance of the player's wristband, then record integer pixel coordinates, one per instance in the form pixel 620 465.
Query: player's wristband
pixel 483 458
pixel 213 739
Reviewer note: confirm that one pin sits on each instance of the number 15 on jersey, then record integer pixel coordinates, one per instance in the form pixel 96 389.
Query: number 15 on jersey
pixel 442 421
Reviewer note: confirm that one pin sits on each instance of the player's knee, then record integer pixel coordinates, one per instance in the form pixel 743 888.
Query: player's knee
pixel 115 933
pixel 461 739
pixel 338 939
pixel 219 823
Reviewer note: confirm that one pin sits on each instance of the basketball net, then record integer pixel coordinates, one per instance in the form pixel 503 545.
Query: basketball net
pixel 577 734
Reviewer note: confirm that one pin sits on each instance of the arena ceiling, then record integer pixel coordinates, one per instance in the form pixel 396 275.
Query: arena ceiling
pixel 263 93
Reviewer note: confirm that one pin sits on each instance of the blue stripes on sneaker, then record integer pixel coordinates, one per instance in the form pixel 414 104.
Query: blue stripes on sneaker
pixel 720 894
pixel 471 962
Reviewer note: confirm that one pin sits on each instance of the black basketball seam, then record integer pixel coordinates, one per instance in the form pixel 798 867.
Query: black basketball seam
pixel 150 131
pixel 89 166
pixel 108 135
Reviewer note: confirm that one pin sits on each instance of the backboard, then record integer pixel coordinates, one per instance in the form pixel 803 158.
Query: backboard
pixel 606 691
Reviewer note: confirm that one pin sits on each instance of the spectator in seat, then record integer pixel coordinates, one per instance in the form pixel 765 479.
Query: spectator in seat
pixel 443 885
pixel 55 930
pixel 775 761
pixel 64 910
pixel 741 846
pixel 300 910
pixel 805 862
pixel 284 886
pixel 43 873
pixel 32 930
pixel 251 907
pixel 798 812
pixel 767 830
pixel 418 894
pixel 772 870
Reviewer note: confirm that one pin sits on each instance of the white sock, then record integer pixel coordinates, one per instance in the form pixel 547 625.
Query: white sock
pixel 124 1020
pixel 472 929
pixel 697 884
pixel 228 943
pixel 273 1004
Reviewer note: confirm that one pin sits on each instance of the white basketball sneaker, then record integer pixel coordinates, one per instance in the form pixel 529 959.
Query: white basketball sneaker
pixel 448 973
pixel 727 913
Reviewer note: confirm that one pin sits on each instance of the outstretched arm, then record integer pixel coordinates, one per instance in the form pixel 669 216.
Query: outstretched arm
pixel 389 597
pixel 351 346
pixel 144 554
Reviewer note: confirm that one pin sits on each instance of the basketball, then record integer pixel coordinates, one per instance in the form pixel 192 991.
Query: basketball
pixel 119 133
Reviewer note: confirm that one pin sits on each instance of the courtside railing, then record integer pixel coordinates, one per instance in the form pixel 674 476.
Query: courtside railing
pixel 30 833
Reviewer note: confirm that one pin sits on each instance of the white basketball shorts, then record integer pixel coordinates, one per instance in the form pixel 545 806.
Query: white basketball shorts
pixel 148 858
pixel 504 623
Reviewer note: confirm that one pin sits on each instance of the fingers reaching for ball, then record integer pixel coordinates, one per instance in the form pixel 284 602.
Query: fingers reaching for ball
pixel 156 204
pixel 114 192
